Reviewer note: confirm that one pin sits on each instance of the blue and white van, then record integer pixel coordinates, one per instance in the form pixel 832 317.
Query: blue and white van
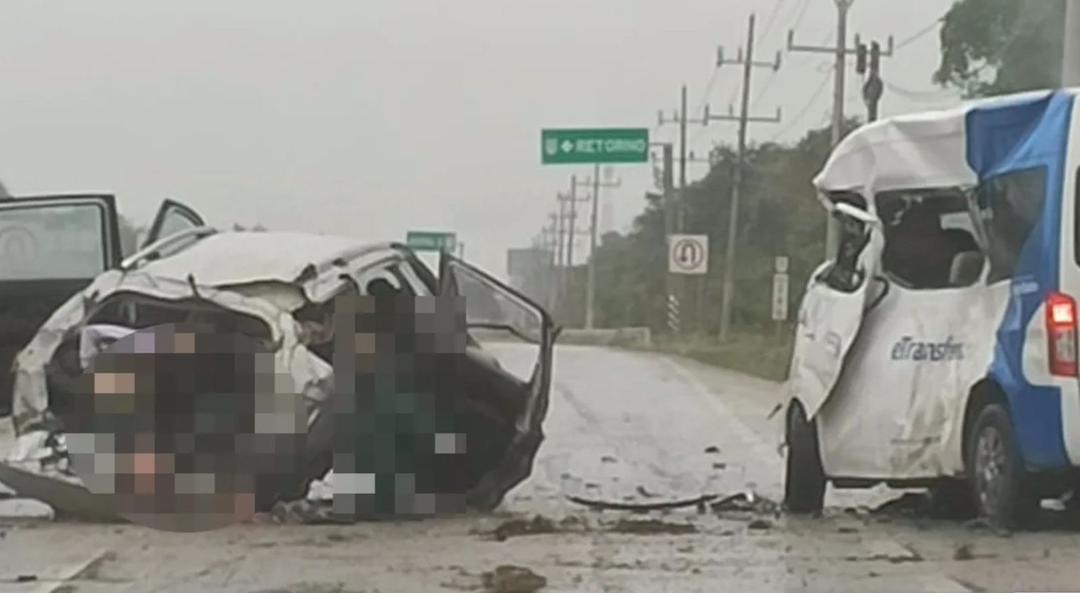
pixel 938 347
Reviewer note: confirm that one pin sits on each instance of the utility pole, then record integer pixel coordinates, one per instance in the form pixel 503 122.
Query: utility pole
pixel 748 64
pixel 551 284
pixel 873 87
pixel 590 287
pixel 840 51
pixel 1070 74
pixel 572 233
pixel 681 117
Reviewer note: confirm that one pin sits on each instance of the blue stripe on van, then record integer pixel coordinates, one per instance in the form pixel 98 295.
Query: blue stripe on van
pixel 1012 137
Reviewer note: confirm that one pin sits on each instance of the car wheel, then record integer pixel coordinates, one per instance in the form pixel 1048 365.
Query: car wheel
pixel 1000 486
pixel 804 482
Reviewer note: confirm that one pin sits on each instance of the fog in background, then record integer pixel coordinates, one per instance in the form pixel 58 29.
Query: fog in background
pixel 370 119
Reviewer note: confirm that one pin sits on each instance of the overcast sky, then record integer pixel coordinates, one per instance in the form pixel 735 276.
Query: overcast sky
pixel 372 118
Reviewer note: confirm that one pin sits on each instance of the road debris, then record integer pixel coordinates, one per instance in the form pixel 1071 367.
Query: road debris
pixel 712 449
pixel 539 524
pixel 640 507
pixel 889 551
pixel 651 527
pixel 747 501
pixel 908 504
pixel 963 552
pixel 608 459
pixel 642 491
pixel 759 524
pixel 513 579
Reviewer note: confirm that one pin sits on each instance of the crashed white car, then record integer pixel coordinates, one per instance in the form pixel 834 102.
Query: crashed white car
pixel 277 287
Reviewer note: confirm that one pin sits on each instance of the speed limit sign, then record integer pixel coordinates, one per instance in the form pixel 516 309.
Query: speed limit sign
pixel 688 254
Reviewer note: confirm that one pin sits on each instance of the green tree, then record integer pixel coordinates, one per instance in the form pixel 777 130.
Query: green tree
pixel 993 47
pixel 779 215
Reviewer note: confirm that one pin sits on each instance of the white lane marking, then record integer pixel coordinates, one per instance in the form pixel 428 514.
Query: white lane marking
pixel 761 452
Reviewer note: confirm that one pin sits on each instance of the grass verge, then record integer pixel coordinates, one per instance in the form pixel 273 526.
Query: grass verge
pixel 762 355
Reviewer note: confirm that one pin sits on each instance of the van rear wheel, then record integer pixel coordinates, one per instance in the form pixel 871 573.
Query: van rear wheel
pixel 804 482
pixel 999 483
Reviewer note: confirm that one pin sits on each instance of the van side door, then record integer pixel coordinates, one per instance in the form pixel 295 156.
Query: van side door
pixel 830 316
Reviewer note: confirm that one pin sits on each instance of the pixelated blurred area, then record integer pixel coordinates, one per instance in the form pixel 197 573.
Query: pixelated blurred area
pixel 183 428
pixel 333 397
pixel 398 445
pixel 426 421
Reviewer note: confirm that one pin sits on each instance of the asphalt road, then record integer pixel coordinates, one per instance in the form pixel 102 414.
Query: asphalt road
pixel 623 427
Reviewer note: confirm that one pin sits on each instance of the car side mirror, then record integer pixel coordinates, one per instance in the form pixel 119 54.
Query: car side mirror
pixel 966 268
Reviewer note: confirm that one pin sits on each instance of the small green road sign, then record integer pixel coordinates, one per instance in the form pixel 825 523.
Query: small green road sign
pixel 591 146
pixel 431 241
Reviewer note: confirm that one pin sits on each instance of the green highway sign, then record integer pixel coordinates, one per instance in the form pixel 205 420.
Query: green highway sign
pixel 593 146
pixel 431 241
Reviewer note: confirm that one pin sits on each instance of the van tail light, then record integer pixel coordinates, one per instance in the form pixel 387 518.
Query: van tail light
pixel 1061 334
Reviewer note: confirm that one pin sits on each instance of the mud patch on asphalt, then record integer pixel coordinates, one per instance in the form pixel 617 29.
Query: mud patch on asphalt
pixel 310 587
pixel 512 579
pixel 539 524
pixel 651 527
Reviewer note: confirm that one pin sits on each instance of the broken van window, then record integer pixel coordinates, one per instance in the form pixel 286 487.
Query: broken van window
pixel 844 274
pixel 1011 205
pixel 927 233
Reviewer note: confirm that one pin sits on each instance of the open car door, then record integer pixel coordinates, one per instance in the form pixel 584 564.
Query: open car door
pixel 839 293
pixel 491 307
pixel 172 217
pixel 50 248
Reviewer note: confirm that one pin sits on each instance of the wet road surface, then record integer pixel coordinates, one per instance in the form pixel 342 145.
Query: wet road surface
pixel 622 427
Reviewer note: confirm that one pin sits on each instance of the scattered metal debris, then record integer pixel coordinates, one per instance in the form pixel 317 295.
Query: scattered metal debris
pixel 608 459
pixel 776 409
pixel 712 449
pixel 640 507
pixel 747 501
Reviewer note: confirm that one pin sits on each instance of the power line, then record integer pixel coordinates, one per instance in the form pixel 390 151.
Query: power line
pixel 920 34
pixel 765 87
pixel 772 17
pixel 802 13
pixel 936 96
pixel 806 108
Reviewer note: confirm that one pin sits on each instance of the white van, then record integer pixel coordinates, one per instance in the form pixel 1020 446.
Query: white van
pixel 938 347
